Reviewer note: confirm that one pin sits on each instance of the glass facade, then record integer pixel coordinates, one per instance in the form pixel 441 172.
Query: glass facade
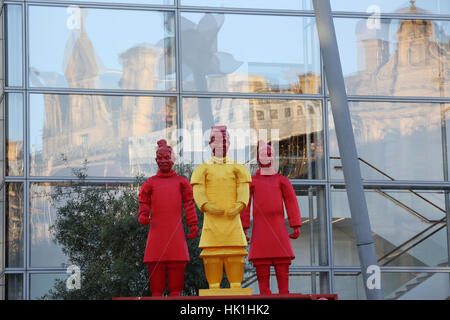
pixel 100 83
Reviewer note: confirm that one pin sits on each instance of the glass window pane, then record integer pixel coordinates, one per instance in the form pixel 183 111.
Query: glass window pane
pixel 397 141
pixel 14 135
pixel 311 248
pixel 70 48
pixel 14 49
pixel 394 57
pixel 415 285
pixel 388 6
pixel 2 53
pixel 14 208
pixel 117 135
pixel 256 4
pixel 408 228
pixel 395 285
pixel 349 286
pixel 2 137
pixel 313 233
pixel 41 283
pixel 298 139
pixel 2 238
pixel 150 2
pixel 44 251
pixel 299 282
pixel 271 53
pixel 14 286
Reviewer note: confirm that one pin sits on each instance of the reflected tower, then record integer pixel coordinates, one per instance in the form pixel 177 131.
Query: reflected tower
pixel 76 123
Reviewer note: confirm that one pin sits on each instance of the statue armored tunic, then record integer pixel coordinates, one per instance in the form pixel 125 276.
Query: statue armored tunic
pixel 223 182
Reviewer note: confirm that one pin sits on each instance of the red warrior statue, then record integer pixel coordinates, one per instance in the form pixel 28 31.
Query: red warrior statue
pixel 270 244
pixel 161 198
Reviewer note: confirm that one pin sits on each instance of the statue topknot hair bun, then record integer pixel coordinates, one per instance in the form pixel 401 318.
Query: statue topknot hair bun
pixel 162 143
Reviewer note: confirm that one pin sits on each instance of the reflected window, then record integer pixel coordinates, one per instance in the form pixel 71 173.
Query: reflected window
pixel 273 114
pixel 405 57
pixel 271 53
pixel 116 135
pixel 69 48
pixel 408 228
pixel 287 112
pixel 260 115
pixel 293 138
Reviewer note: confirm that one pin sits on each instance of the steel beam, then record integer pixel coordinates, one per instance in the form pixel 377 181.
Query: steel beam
pixel 347 146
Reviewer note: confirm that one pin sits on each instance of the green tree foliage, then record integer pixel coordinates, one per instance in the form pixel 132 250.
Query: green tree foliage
pixel 97 227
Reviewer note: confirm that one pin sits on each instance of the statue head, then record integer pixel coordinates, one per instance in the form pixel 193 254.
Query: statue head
pixel 219 141
pixel 164 156
pixel 265 155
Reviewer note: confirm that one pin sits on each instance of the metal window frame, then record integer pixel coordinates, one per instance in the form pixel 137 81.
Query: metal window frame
pixel 179 93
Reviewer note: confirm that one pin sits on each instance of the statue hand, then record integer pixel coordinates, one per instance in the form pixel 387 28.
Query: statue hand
pixel 144 220
pixel 194 232
pixel 212 209
pixel 295 234
pixel 236 209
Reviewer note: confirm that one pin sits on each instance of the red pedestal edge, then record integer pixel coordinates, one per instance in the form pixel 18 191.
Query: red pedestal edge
pixel 293 296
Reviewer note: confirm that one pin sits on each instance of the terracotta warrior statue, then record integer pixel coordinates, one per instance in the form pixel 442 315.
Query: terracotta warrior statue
pixel 221 191
pixel 270 244
pixel 161 199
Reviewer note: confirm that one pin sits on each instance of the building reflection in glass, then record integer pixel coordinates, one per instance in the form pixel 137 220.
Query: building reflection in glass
pixel 397 140
pixel 296 126
pixel 14 209
pixel 113 133
pixel 44 251
pixel 276 54
pixel 393 57
pixel 14 134
pixel 137 53
pixel 116 134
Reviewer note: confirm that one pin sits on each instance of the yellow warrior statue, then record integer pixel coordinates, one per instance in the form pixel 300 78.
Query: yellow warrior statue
pixel 221 191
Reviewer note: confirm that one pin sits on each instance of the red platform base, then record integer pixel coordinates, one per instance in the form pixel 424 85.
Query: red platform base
pixel 293 296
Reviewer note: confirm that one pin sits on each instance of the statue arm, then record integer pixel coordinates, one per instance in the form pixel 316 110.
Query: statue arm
pixel 145 204
pixel 245 214
pixel 290 202
pixel 243 188
pixel 188 203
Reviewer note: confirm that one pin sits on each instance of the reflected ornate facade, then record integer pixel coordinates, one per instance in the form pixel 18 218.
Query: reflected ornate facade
pixel 391 133
pixel 106 131
pixel 415 65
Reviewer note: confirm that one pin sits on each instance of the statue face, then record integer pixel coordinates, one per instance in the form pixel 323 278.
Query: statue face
pixel 220 143
pixel 165 160
pixel 265 157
